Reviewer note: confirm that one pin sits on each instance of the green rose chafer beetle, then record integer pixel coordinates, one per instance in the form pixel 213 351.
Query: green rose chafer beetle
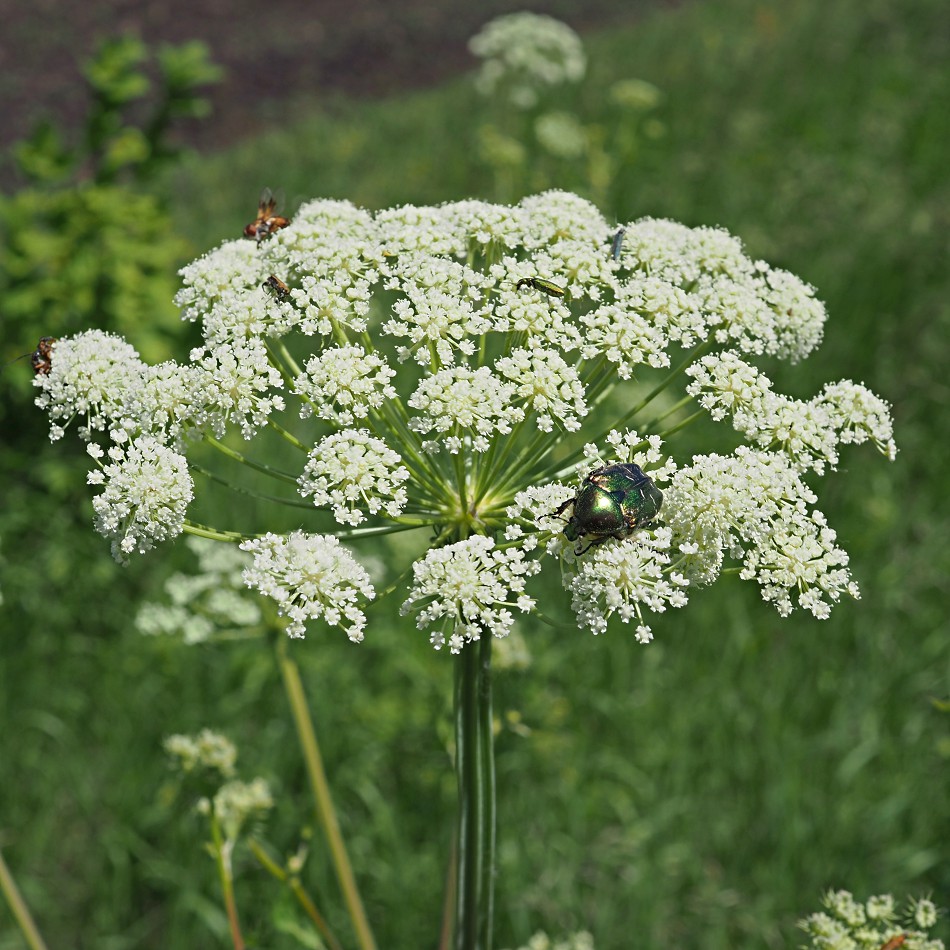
pixel 613 502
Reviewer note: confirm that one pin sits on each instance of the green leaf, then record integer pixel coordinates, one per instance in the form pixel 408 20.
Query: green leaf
pixel 114 70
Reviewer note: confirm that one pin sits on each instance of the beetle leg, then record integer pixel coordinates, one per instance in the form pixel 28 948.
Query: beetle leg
pixel 596 542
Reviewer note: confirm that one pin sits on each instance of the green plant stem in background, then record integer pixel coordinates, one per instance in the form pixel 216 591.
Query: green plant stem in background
pixel 222 857
pixel 18 906
pixel 296 888
pixel 475 767
pixel 321 793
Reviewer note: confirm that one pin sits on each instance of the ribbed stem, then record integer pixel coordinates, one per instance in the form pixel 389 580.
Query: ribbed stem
pixel 475 768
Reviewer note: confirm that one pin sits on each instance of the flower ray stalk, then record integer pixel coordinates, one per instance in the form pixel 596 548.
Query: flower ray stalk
pixel 667 380
pixel 244 460
pixel 288 437
pixel 241 490
pixel 213 534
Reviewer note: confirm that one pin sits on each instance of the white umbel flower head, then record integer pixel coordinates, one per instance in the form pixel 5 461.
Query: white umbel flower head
pixel 147 490
pixel 753 507
pixel 351 470
pixel 90 378
pixel 548 386
pixel 237 383
pixel 237 802
pixel 623 578
pixel 343 384
pixel 809 433
pixel 443 312
pixel 459 402
pixel 311 577
pixel 468 588
pixel 436 369
pixel 859 415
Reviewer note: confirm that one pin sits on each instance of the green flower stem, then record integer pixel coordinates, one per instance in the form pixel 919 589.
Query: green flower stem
pixel 296 888
pixel 321 793
pixel 517 471
pixel 694 354
pixel 448 902
pixel 278 363
pixel 485 471
pixel 287 436
pixel 287 359
pixel 691 357
pixel 524 466
pixel 461 482
pixel 669 412
pixel 666 433
pixel 599 380
pixel 204 531
pixel 244 460
pixel 401 524
pixel 475 767
pixel 263 496
pixel 21 912
pixel 394 413
pixel 222 858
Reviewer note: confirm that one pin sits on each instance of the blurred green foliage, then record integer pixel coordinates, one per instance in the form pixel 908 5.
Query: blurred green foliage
pixel 697 793
pixel 86 241
pixel 83 244
pixel 113 144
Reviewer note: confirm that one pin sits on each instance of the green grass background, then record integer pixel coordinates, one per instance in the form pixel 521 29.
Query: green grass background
pixel 700 792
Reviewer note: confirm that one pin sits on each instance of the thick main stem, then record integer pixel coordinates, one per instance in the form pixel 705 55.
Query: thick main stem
pixel 475 767
pixel 321 794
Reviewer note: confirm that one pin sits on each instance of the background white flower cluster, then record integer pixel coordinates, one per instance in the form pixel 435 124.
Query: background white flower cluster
pixel 523 54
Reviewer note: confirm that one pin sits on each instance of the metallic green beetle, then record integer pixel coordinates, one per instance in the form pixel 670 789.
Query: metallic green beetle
pixel 540 283
pixel 613 502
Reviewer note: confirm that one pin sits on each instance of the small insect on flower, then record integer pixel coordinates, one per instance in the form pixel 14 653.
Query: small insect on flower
pixel 617 244
pixel 539 283
pixel 895 942
pixel 42 356
pixel 275 287
pixel 267 221
pixel 613 502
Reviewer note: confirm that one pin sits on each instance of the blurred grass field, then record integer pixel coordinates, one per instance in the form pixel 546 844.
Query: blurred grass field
pixel 700 792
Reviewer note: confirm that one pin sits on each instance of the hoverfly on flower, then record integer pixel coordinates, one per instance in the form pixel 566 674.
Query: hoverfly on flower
pixel 267 220
pixel 275 287
pixel 42 357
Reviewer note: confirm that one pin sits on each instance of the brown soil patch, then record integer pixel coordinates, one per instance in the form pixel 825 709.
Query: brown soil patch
pixel 276 54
